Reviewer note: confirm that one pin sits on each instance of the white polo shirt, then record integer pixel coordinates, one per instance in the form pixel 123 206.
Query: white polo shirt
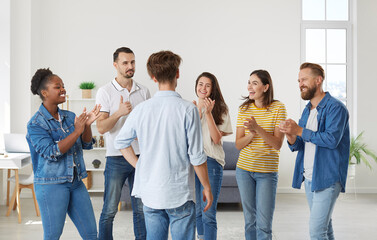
pixel 109 98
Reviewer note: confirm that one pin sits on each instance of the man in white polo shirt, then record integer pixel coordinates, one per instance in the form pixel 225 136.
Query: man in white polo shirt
pixel 117 99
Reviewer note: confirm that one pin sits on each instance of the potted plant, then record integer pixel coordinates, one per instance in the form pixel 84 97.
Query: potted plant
pixel 86 88
pixel 359 152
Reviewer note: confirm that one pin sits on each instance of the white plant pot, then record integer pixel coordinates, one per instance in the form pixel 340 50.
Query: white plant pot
pixel 351 170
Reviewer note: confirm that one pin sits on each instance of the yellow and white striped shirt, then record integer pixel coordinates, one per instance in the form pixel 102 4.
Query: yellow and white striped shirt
pixel 258 156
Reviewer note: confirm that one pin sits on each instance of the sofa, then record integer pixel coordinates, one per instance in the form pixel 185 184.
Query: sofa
pixel 229 192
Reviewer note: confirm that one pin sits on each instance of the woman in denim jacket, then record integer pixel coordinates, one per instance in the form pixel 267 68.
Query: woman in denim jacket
pixel 56 138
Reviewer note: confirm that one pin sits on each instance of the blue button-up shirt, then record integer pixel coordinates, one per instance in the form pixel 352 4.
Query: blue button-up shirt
pixel 332 140
pixel 43 134
pixel 170 140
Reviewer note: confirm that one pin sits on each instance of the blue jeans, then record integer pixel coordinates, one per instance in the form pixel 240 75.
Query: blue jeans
pixel 321 204
pixel 258 192
pixel 206 223
pixel 56 200
pixel 116 172
pixel 181 220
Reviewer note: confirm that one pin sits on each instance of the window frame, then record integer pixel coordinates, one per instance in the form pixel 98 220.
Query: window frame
pixel 338 24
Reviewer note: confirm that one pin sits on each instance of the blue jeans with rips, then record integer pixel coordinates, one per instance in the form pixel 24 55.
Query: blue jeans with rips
pixel 206 223
pixel 56 200
pixel 258 192
pixel 321 204
pixel 117 170
pixel 180 219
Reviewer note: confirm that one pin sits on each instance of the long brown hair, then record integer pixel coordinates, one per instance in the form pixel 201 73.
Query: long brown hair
pixel 268 98
pixel 220 107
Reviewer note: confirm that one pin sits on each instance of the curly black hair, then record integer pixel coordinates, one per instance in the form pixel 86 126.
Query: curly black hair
pixel 39 81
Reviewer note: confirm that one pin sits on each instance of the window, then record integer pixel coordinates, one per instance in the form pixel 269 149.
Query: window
pixel 325 10
pixel 326 39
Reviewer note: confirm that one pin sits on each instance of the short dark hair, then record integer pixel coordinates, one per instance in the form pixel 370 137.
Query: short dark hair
pixel 38 83
pixel 316 69
pixel 119 50
pixel 164 66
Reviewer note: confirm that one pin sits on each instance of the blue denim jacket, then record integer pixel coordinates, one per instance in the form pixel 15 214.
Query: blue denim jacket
pixel 332 140
pixel 44 132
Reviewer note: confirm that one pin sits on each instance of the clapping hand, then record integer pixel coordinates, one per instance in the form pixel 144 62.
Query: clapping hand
pixel 289 127
pixel 93 115
pixel 291 130
pixel 208 105
pixel 251 124
pixel 80 122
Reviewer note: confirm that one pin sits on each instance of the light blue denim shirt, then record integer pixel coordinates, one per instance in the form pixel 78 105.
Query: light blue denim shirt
pixel 44 132
pixel 332 140
pixel 170 140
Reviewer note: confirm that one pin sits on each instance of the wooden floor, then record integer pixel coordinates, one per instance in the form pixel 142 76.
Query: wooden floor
pixel 353 219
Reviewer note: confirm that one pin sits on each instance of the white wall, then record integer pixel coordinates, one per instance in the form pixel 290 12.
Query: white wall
pixel 19 85
pixel 20 62
pixel 366 88
pixel 76 40
pixel 4 77
pixel 4 68
pixel 15 64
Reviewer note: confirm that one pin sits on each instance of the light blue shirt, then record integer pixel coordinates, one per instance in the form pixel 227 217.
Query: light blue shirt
pixel 170 140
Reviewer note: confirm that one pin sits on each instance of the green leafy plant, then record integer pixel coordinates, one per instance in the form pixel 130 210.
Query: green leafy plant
pixel 360 151
pixel 87 85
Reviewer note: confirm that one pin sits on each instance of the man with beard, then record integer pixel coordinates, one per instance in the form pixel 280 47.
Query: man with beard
pixel 117 99
pixel 323 142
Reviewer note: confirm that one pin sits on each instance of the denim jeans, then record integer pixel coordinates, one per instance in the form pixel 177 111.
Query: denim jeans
pixel 117 170
pixel 181 220
pixel 206 223
pixel 258 192
pixel 56 200
pixel 321 204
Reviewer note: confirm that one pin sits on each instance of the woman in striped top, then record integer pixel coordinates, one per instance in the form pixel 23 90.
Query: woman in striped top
pixel 259 139
pixel 215 121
